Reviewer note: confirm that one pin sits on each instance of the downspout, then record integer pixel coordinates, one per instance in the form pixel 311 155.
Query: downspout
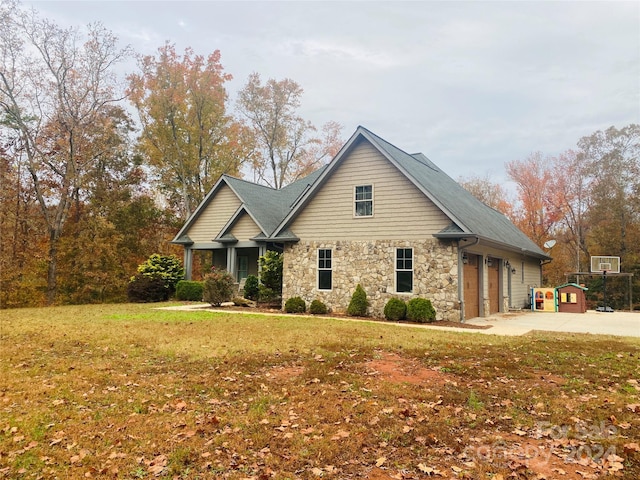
pixel 461 276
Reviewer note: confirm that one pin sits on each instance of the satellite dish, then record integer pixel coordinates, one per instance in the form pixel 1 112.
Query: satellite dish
pixel 549 244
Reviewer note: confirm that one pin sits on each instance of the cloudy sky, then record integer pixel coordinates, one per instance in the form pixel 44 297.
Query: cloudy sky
pixel 472 85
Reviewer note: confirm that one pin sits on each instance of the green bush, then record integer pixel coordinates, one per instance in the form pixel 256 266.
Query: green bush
pixel 146 288
pixel 395 309
pixel 188 290
pixel 266 295
pixel 271 271
pixel 420 310
pixel 359 303
pixel 219 287
pixel 167 267
pixel 318 308
pixel 295 305
pixel 251 287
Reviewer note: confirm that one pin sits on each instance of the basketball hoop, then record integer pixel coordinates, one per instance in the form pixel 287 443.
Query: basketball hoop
pixel 604 265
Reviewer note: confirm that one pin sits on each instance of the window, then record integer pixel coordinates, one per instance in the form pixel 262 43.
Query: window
pixel 324 269
pixel 404 269
pixel 363 201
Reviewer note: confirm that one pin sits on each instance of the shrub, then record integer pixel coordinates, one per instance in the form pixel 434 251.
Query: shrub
pixel 219 287
pixel 395 309
pixel 189 291
pixel 420 310
pixel 266 295
pixel 358 304
pixel 295 305
pixel 147 288
pixel 167 267
pixel 317 308
pixel 251 287
pixel 271 271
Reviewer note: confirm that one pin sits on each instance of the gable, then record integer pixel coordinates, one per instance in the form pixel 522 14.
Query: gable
pixel 401 210
pixel 214 217
pixel 244 228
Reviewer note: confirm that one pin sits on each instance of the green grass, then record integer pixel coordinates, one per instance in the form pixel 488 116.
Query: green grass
pixel 128 391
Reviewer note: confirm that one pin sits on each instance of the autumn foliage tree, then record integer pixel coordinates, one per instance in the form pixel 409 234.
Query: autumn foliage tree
pixel 188 138
pixel 288 145
pixel 55 86
pixel 491 193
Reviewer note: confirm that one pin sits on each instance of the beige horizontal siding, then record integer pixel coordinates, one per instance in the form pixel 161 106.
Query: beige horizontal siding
pixel 245 228
pixel 400 210
pixel 215 216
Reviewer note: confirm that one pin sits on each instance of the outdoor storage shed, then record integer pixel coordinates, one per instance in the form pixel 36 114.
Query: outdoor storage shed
pixel 571 298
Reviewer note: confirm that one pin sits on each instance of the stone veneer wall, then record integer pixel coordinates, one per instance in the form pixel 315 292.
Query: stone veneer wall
pixel 371 264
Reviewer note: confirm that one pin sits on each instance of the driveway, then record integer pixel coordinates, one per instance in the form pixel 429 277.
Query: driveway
pixel 625 324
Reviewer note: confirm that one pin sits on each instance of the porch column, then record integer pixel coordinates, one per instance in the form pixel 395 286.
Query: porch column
pixel 188 262
pixel 231 261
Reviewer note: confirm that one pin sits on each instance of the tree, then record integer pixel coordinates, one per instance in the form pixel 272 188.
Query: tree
pixel 55 85
pixel 488 192
pixel 538 212
pixel 612 159
pixel 287 145
pixel 570 184
pixel 187 138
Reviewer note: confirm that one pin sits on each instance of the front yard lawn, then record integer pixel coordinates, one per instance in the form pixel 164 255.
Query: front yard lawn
pixel 126 391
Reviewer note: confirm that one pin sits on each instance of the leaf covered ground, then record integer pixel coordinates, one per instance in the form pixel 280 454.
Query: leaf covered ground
pixel 124 391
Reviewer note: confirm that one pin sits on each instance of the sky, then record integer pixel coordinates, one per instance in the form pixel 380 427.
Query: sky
pixel 472 85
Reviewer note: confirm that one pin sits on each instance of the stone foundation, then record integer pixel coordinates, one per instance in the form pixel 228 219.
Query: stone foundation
pixel 371 264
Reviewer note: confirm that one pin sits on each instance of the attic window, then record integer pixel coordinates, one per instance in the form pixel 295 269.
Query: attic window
pixel 363 205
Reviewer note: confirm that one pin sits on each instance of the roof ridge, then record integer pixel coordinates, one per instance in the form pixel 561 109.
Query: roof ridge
pixel 255 184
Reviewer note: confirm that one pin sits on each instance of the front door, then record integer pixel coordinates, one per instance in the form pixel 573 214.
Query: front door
pixel 243 267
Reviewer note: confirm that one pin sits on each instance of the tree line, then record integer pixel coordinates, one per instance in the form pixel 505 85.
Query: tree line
pixel 88 192
pixel 587 199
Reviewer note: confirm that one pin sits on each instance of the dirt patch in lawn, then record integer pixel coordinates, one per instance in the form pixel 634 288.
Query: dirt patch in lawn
pixel 392 367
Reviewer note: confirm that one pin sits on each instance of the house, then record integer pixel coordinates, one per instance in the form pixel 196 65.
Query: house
pixel 375 215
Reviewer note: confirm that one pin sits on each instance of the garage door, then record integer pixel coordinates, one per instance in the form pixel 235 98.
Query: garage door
pixel 494 285
pixel 471 287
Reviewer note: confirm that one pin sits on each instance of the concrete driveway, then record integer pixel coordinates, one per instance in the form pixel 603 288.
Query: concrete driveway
pixel 625 324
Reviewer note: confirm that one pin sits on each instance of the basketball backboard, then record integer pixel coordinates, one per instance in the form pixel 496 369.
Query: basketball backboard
pixel 600 264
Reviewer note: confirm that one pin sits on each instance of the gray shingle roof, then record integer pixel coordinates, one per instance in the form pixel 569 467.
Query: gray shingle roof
pixel 469 216
pixel 273 210
pixel 266 206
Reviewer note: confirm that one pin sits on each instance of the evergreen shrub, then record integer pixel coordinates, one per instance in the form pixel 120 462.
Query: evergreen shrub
pixel 420 310
pixel 359 303
pixel 251 287
pixel 295 305
pixel 147 288
pixel 395 309
pixel 167 267
pixel 189 291
pixel 318 308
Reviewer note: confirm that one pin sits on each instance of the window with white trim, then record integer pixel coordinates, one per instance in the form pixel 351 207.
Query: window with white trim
pixel 325 269
pixel 404 270
pixel 363 201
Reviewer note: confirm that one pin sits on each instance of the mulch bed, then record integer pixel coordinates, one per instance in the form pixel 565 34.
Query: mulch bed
pixel 277 311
